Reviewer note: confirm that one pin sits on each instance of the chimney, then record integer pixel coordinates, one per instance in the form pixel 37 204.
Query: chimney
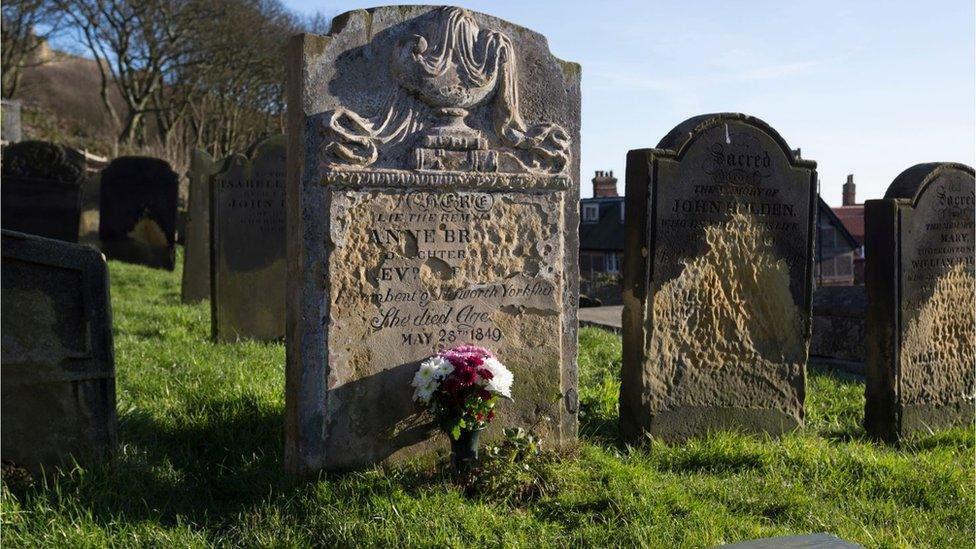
pixel 849 191
pixel 604 185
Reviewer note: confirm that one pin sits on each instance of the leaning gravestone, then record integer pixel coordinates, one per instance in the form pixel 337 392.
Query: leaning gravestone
pixel 196 256
pixel 58 367
pixel 247 245
pixel 920 284
pixel 137 219
pixel 433 187
pixel 717 281
pixel 41 190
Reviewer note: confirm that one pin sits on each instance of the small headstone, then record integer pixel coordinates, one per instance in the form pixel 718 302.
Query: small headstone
pixel 247 245
pixel 11 126
pixel 921 344
pixel 138 200
pixel 717 281
pixel 41 190
pixel 58 367
pixel 432 201
pixel 196 255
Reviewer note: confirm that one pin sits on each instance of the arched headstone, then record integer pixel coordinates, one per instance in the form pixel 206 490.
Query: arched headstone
pixel 41 189
pixel 717 281
pixel 247 244
pixel 137 213
pixel 921 344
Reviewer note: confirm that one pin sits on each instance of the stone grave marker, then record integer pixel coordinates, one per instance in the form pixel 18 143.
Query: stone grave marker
pixel 196 255
pixel 41 189
pixel 717 281
pixel 433 187
pixel 137 219
pixel 58 367
pixel 920 285
pixel 247 245
pixel 10 126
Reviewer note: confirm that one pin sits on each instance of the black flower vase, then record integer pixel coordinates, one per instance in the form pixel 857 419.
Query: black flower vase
pixel 464 452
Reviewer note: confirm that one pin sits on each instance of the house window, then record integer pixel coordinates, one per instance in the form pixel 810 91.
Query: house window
pixel 591 213
pixel 613 262
pixel 622 210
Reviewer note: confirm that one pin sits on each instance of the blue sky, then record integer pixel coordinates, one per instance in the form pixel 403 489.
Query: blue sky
pixel 868 88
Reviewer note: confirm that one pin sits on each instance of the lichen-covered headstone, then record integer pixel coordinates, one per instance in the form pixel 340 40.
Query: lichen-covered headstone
pixel 196 255
pixel 57 365
pixel 921 345
pixel 717 281
pixel 247 245
pixel 432 201
pixel 41 189
pixel 137 213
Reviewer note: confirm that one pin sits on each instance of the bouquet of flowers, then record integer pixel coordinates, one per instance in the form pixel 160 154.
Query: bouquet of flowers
pixel 461 387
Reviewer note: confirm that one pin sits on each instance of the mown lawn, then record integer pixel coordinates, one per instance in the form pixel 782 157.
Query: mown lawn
pixel 199 464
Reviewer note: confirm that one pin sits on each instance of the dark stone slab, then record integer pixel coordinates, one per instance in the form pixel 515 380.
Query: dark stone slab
pixel 11 126
pixel 809 541
pixel 41 191
pixel 838 324
pixel 247 245
pixel 137 220
pixel 196 256
pixel 717 281
pixel 920 287
pixel 58 367
pixel 426 208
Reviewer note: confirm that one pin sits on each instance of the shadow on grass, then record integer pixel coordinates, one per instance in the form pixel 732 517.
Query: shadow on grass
pixel 207 466
pixel 597 428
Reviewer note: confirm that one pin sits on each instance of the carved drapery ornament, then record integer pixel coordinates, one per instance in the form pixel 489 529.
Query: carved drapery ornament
pixel 441 77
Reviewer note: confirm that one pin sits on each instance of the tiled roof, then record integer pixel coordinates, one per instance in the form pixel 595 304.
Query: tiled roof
pixel 853 219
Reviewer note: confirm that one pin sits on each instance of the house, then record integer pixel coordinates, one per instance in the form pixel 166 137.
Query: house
pixel 602 240
pixel 835 250
pixel 851 214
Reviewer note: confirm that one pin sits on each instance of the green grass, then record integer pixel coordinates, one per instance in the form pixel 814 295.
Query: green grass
pixel 199 464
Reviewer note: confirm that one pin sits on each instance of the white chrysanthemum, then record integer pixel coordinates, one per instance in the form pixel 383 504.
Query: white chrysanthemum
pixel 501 378
pixel 425 381
pixel 442 367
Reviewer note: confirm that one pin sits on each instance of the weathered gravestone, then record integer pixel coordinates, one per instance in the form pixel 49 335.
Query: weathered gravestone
pixel 10 127
pixel 433 186
pixel 137 219
pixel 58 367
pixel 247 245
pixel 196 255
pixel 41 189
pixel 920 284
pixel 717 281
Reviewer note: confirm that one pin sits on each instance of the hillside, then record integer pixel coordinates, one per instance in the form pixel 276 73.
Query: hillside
pixel 62 102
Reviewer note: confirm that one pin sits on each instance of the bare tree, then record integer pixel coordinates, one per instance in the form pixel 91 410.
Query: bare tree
pixel 136 44
pixel 26 27
pixel 204 73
